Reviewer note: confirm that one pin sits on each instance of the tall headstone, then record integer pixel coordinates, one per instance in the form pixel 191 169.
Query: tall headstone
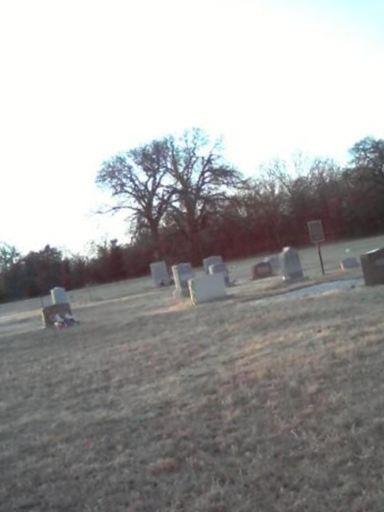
pixel 206 288
pixel 372 264
pixel 211 260
pixel 159 273
pixel 181 275
pixel 290 264
pixel 59 296
pixel 220 268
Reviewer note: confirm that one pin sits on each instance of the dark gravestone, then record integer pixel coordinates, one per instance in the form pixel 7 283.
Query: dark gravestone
pixel 49 313
pixel 372 264
pixel 290 264
pixel 262 270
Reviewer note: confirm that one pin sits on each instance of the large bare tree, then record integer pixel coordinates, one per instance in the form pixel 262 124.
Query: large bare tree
pixel 183 177
pixel 137 180
pixel 201 179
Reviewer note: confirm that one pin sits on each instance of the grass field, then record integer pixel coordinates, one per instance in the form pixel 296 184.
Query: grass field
pixel 260 402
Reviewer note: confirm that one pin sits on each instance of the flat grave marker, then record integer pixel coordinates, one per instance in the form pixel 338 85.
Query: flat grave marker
pixel 262 270
pixel 349 263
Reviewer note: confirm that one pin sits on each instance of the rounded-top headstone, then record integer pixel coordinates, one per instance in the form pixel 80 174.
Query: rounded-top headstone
pixel 211 260
pixel 290 264
pixel 59 295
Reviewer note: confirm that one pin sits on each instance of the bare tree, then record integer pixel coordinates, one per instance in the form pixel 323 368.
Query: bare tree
pixel 184 178
pixel 137 181
pixel 200 180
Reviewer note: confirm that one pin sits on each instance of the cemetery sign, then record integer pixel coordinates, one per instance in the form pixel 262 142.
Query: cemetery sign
pixel 316 235
pixel 316 231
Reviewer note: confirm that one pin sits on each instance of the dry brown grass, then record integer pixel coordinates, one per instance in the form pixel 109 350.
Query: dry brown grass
pixel 236 406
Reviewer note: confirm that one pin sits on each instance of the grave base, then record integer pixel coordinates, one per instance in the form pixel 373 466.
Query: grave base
pixel 48 313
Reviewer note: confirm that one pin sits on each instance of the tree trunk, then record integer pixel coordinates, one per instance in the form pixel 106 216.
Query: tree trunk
pixel 158 252
pixel 194 247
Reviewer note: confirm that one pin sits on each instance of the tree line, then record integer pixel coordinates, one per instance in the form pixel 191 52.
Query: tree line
pixel 185 202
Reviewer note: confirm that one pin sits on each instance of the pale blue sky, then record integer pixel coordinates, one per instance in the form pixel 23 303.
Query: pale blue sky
pixel 81 80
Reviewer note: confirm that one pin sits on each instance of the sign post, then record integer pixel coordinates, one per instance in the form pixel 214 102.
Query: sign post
pixel 316 235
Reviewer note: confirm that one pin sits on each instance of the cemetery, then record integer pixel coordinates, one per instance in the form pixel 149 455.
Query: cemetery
pixel 192 256
pixel 177 378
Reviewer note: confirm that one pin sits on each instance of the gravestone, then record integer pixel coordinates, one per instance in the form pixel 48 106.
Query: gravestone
pixel 220 268
pixel 211 260
pixel 274 261
pixel 261 270
pixel 207 288
pixel 349 263
pixel 59 296
pixel 159 273
pixel 290 264
pixel 372 264
pixel 181 275
pixel 49 313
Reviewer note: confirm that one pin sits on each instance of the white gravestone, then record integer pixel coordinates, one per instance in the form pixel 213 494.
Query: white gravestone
pixel 349 263
pixel 159 273
pixel 59 295
pixel 207 288
pixel 290 264
pixel 181 275
pixel 220 268
pixel 211 260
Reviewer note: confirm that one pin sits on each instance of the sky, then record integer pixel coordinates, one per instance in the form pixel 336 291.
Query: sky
pixel 84 79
